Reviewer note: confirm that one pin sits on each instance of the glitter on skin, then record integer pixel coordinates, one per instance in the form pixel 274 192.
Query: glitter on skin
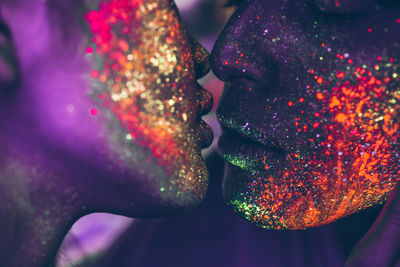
pixel 359 156
pixel 300 164
pixel 94 111
pixel 145 76
pixel 364 141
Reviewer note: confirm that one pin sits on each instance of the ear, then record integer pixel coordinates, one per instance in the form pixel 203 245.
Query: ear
pixel 9 71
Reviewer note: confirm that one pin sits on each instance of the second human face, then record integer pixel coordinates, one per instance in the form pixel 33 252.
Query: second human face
pixel 310 109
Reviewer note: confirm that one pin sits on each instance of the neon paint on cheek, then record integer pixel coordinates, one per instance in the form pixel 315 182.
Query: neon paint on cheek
pixel 353 162
pixel 144 76
pixel 94 111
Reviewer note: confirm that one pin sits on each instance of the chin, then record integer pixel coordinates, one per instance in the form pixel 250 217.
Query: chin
pixel 144 188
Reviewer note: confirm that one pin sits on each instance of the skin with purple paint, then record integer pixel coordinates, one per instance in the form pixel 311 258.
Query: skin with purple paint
pixel 95 118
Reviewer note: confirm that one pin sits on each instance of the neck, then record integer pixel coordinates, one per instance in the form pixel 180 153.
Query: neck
pixel 33 239
pixel 37 209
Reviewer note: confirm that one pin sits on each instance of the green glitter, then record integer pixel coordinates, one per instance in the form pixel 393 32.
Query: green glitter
pixel 253 212
pixel 242 162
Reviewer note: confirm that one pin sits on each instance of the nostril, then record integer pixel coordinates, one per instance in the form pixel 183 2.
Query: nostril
pixel 266 71
pixel 230 66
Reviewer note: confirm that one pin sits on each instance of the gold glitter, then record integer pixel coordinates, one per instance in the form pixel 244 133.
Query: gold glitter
pixel 147 68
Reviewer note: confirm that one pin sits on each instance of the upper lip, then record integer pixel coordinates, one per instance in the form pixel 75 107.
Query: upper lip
pixel 251 133
pixel 204 97
pixel 205 100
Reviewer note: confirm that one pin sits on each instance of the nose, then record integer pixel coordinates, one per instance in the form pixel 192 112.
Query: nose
pixel 200 57
pixel 240 54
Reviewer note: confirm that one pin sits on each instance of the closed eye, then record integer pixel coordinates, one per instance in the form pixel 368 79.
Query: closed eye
pixel 5 33
pixel 233 3
pixel 354 6
pixel 389 3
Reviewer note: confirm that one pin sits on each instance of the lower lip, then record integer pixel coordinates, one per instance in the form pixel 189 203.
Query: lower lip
pixel 246 153
pixel 206 134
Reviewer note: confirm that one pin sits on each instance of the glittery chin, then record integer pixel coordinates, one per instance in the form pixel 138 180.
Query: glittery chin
pixel 144 78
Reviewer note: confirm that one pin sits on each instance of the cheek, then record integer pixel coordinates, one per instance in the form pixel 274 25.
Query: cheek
pixel 144 77
pixel 343 158
pixel 354 155
pixel 62 107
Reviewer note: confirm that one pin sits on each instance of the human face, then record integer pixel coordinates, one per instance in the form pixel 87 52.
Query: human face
pixel 112 84
pixel 310 109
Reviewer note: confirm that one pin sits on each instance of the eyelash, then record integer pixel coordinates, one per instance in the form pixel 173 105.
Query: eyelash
pixel 233 3
pixel 384 3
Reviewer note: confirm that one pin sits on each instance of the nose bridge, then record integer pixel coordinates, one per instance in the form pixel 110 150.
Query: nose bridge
pixel 240 52
pixel 229 43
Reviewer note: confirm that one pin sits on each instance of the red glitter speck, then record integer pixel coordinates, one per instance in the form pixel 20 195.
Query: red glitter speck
pixel 89 50
pixel 369 30
pixel 226 63
pixel 320 96
pixel 290 103
pixel 94 111
pixel 320 80
pixel 301 100
pixel 94 74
